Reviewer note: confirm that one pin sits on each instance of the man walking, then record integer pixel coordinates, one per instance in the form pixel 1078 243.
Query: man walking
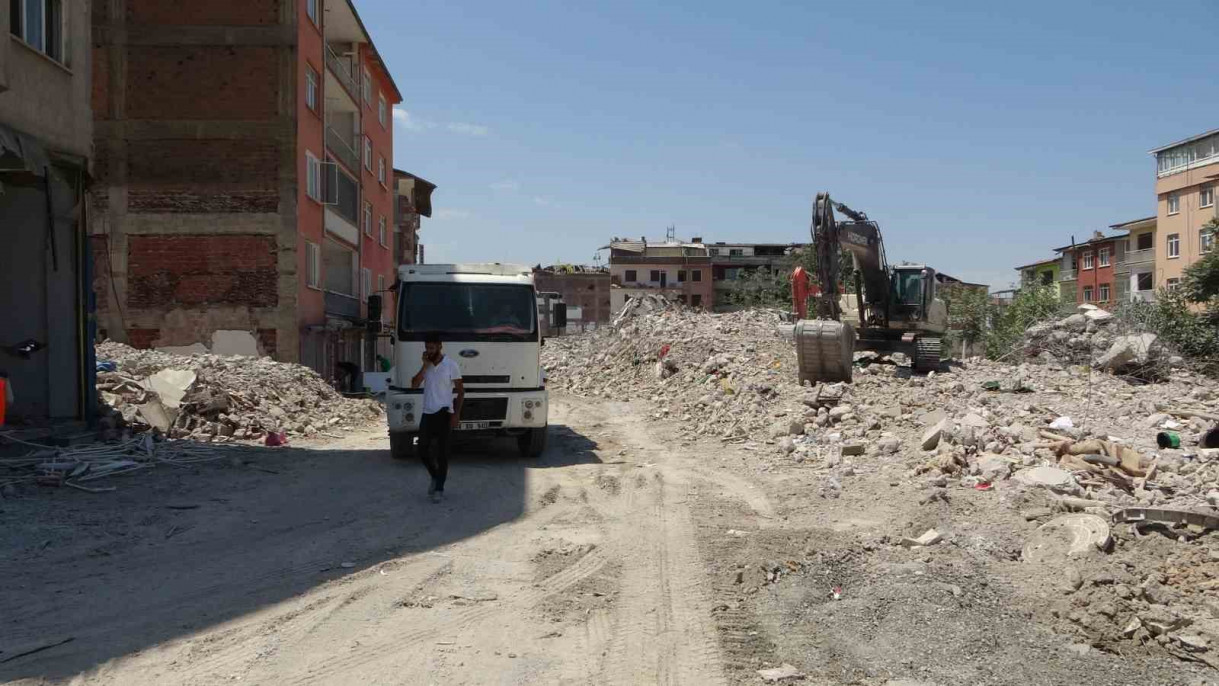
pixel 439 375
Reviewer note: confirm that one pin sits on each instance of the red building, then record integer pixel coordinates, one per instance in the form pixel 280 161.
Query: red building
pixel 1091 266
pixel 244 185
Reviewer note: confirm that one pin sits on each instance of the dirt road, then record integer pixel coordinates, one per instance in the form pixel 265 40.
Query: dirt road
pixel 619 557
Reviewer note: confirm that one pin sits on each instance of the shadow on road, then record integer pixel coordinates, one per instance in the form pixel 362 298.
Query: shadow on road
pixel 175 550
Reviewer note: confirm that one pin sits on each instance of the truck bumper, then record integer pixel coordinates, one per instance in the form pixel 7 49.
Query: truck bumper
pixel 483 410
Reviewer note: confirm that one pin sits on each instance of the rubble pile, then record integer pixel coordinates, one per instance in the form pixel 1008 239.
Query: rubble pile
pixel 1131 463
pixel 1093 336
pixel 216 398
pixel 720 374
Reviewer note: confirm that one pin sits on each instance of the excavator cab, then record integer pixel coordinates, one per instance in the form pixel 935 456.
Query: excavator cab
pixel 913 292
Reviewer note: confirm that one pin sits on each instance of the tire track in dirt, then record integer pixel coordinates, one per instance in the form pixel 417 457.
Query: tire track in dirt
pixel 386 645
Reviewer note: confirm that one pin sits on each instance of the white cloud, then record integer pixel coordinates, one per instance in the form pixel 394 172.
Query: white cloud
pixel 444 214
pixel 506 185
pixel 544 202
pixel 467 129
pixel 409 121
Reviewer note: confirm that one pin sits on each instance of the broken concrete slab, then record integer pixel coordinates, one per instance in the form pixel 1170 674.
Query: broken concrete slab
pixel 784 672
pixel 232 342
pixel 929 537
pixel 1127 351
pixel 1052 478
pixel 171 385
pixel 1067 536
pixel 931 437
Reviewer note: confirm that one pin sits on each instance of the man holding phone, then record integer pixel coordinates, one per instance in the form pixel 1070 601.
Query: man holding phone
pixel 439 376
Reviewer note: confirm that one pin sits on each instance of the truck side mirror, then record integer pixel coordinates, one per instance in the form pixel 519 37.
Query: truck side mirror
pixel 374 312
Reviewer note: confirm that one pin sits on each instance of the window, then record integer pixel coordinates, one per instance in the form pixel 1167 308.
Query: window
pixel 735 252
pixel 1144 241
pixel 1145 281
pixel 365 283
pixel 654 276
pixel 631 276
pixel 1074 261
pixel 1206 240
pixel 696 300
pixel 40 23
pixel 714 252
pixel 381 169
pixel 313 176
pixel 1103 254
pixel 1206 197
pixel 382 110
pixel 1174 245
pixel 368 153
pixel 310 88
pixel 313 265
pixel 381 283
pixel 381 232
pixel 1047 278
pixel 1087 294
pixel 311 9
pixel 681 276
pixel 1087 259
pixel 367 218
pixel 1104 292
pixel 1172 283
pixel 367 87
pixel 696 275
pixel 1174 203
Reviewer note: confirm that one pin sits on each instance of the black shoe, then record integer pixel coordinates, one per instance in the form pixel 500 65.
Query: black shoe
pixel 431 489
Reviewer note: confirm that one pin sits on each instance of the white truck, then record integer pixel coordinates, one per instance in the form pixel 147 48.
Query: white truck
pixel 486 318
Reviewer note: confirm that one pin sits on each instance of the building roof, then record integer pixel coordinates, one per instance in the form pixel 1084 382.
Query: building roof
pixel 422 192
pixel 1132 224
pixel 1101 239
pixel 1191 139
pixel 1052 260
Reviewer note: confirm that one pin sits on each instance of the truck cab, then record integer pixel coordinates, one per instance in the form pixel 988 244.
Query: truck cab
pixel 486 318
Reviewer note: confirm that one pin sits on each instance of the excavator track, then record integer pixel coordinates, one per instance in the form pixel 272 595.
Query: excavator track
pixel 926 354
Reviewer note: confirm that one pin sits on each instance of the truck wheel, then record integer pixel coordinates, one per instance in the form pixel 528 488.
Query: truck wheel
pixel 401 445
pixel 532 442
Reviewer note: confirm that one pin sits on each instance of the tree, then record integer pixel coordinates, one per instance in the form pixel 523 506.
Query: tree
pixel 1201 282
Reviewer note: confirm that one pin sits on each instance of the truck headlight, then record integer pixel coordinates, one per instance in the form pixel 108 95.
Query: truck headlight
pixel 528 404
pixel 528 414
pixel 408 406
pixel 410 419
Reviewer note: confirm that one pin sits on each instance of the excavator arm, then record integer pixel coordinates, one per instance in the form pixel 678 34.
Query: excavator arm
pixel 861 237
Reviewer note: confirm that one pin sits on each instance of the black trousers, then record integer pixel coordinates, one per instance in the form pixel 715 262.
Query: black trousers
pixel 436 428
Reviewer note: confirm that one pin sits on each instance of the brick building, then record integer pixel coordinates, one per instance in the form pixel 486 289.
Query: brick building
pixel 1088 273
pixel 244 157
pixel 587 288
pixel 412 201
pixel 672 269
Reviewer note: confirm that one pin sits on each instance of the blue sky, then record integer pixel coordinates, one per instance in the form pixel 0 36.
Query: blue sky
pixel 979 137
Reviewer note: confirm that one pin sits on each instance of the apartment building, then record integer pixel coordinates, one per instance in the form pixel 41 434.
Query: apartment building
pixel 1187 176
pixel 245 157
pixel 1042 273
pixel 673 269
pixel 732 262
pixel 412 202
pixel 46 153
pixel 1087 273
pixel 1135 273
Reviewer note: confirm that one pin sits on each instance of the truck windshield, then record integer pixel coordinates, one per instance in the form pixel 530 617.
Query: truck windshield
pixel 467 312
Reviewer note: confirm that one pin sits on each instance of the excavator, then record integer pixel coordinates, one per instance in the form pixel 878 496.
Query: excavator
pixel 894 308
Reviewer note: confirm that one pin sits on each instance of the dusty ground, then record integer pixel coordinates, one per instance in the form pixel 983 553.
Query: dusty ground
pixel 621 556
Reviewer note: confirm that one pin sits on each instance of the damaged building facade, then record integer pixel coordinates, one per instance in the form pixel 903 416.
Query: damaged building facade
pixel 412 202
pixel 46 144
pixel 244 198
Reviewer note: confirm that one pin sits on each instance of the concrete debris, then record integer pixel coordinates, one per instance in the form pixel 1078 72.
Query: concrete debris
pixel 1127 352
pixel 207 397
pixel 931 437
pixel 929 537
pixel 784 672
pixel 1067 536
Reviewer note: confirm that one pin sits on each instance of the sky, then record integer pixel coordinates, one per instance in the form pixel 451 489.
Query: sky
pixel 979 137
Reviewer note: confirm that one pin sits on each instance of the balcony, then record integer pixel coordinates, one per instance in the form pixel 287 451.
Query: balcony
pixel 1140 257
pixel 342 68
pixel 1145 296
pixel 1066 275
pixel 341 305
pixel 344 151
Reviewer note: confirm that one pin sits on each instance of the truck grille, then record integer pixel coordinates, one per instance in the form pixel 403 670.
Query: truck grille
pixel 484 409
pixel 474 378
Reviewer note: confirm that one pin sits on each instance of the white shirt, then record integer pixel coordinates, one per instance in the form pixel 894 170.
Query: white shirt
pixel 438 386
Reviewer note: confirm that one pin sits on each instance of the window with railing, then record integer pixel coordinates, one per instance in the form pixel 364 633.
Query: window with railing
pixel 1189 155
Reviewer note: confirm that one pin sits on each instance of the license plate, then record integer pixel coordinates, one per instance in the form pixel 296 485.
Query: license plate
pixel 473 426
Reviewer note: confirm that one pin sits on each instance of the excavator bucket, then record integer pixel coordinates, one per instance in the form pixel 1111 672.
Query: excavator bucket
pixel 824 350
